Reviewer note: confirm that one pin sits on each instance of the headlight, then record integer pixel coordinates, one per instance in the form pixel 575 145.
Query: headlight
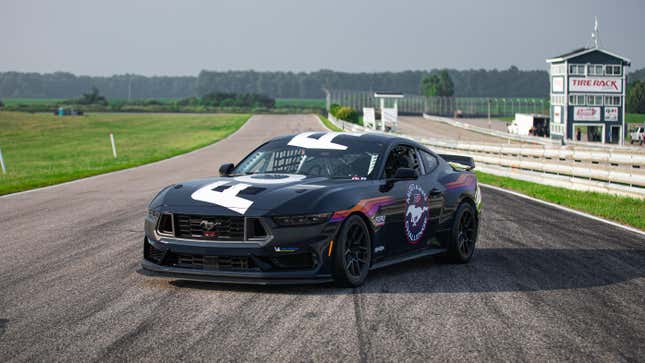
pixel 153 214
pixel 302 220
pixel 478 197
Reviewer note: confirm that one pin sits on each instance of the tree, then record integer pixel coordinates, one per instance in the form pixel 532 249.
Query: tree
pixel 1 104
pixel 636 97
pixel 92 98
pixel 437 84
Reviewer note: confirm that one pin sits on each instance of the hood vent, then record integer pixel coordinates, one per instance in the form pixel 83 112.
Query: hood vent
pixel 252 190
pixel 245 191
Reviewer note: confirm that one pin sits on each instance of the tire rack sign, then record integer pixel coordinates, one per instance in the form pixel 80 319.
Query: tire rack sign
pixel 586 113
pixel 613 85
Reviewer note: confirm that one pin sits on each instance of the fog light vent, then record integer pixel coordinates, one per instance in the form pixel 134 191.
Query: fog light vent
pixel 166 225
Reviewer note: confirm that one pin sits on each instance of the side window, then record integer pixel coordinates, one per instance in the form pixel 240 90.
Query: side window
pixel 401 156
pixel 429 161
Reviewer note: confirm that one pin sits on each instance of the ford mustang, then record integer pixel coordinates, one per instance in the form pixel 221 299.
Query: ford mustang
pixel 315 207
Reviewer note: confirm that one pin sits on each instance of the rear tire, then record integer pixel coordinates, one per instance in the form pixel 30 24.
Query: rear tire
pixel 352 253
pixel 463 236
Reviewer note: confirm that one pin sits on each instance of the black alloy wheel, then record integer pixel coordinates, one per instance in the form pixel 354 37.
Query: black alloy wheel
pixel 464 234
pixel 352 253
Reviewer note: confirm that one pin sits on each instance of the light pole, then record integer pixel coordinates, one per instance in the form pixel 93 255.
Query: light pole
pixel 489 123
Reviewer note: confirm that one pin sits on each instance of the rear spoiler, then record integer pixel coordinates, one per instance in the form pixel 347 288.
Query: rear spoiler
pixel 459 161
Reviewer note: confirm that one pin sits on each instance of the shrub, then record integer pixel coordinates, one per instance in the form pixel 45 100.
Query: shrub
pixel 333 109
pixel 348 114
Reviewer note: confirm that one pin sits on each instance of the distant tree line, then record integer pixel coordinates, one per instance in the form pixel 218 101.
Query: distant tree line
pixel 437 84
pixel 511 82
pixel 636 97
pixel 66 85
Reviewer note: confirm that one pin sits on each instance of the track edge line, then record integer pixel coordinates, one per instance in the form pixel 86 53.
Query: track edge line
pixel 566 209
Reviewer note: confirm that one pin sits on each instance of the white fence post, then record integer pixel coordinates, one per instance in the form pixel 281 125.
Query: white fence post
pixel 4 169
pixel 113 145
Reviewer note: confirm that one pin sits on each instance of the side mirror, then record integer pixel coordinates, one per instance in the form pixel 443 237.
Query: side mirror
pixel 226 169
pixel 405 174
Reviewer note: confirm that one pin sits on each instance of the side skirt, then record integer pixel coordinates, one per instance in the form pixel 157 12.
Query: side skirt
pixel 408 257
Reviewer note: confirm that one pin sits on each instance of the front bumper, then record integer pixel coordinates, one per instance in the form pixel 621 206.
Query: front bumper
pixel 151 269
pixel 291 256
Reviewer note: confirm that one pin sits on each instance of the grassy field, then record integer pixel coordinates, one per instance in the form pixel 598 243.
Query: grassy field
pixel 635 118
pixel 42 149
pixel 624 210
pixel 31 101
pixel 300 103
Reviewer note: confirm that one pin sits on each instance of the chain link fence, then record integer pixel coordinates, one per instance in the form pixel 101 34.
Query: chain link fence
pixel 445 106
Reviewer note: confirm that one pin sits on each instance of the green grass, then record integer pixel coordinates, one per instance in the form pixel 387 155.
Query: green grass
pixel 329 124
pixel 635 118
pixel 624 210
pixel 30 101
pixel 42 149
pixel 300 103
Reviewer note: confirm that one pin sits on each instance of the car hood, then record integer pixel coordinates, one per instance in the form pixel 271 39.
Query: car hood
pixel 251 195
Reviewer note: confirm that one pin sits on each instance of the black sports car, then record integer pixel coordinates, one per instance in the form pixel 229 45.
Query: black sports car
pixel 315 207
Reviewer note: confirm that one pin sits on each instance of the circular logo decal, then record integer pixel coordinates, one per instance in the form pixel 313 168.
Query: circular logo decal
pixel 416 213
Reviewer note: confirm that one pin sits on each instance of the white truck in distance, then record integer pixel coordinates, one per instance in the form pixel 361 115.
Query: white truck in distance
pixel 637 133
pixel 529 124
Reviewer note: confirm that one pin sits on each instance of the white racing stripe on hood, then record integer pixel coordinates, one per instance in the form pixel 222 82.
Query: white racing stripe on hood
pixel 324 142
pixel 227 198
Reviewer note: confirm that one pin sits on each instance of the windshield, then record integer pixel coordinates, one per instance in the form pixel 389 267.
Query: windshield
pixel 311 157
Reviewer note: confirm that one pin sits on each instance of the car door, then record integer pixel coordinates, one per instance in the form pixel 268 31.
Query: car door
pixel 434 188
pixel 405 226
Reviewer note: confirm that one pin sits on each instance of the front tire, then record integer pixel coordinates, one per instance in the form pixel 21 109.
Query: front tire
pixel 463 236
pixel 352 253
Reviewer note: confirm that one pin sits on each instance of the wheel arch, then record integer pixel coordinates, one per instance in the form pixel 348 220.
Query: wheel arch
pixel 370 230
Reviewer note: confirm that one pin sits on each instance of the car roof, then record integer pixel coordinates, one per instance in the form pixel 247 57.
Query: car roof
pixel 365 137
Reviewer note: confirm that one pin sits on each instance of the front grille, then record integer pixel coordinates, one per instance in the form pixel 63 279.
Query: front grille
pixel 216 263
pixel 210 228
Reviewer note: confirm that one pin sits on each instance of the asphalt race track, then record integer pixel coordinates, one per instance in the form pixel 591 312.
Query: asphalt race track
pixel 545 284
pixel 428 128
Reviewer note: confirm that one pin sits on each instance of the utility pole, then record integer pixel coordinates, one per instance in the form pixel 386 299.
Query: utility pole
pixel 327 99
pixel 130 88
pixel 489 123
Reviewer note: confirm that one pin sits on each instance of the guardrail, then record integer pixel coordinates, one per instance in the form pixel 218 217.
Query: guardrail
pixel 609 171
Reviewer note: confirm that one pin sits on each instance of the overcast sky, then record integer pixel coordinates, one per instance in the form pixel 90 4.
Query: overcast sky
pixel 185 36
